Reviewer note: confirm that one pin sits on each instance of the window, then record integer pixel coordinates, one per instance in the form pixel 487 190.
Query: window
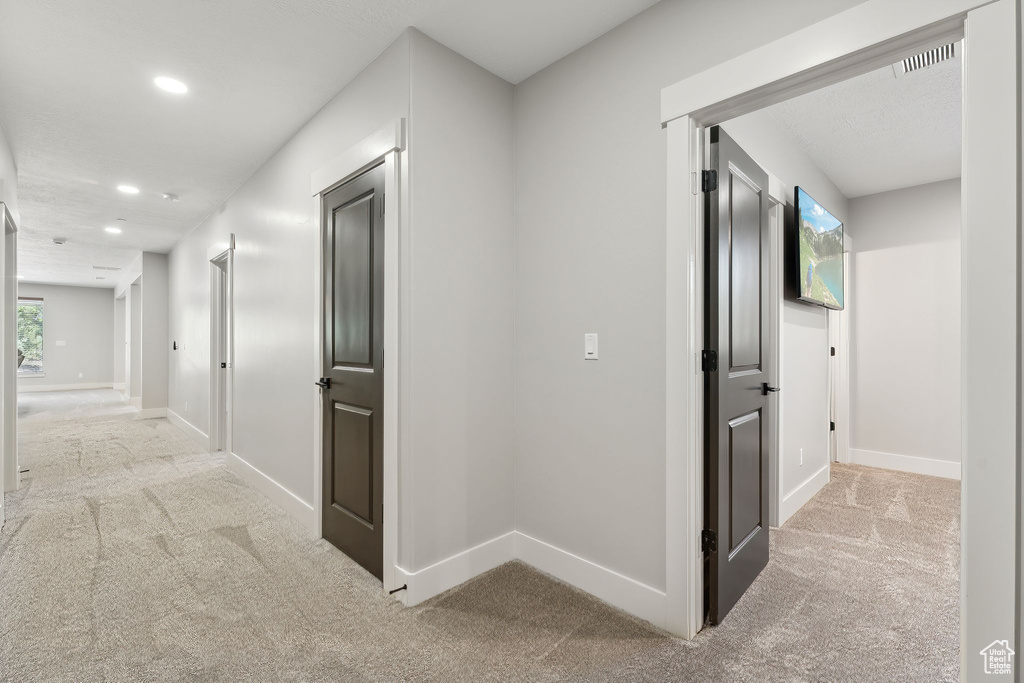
pixel 30 336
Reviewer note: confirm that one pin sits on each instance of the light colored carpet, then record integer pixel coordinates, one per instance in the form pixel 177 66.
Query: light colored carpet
pixel 131 555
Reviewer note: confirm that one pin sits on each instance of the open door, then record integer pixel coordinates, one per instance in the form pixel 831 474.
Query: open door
pixel 736 376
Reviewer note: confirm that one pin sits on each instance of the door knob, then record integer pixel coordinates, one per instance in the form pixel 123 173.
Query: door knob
pixel 324 383
pixel 766 389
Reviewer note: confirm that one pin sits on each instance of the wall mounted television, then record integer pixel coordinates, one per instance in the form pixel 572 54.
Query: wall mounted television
pixel 819 250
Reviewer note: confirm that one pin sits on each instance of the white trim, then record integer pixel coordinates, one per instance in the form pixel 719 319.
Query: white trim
pixel 387 145
pixel 616 589
pixel 777 287
pixel 389 138
pixel 278 494
pixel 459 568
pixel 865 37
pixel 905 463
pixel 190 429
pixel 152 413
pixel 799 496
pixel 684 455
pixel 30 388
pixel 119 386
pixel 605 584
pixel 135 402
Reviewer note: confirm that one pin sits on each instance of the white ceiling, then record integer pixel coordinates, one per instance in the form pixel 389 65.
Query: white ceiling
pixel 881 131
pixel 82 115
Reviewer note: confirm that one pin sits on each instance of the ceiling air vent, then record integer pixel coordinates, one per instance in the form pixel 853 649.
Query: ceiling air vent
pixel 928 58
pixel 105 268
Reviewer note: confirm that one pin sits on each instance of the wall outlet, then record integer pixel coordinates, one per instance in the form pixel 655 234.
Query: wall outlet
pixel 61 342
pixel 186 406
pixel 801 457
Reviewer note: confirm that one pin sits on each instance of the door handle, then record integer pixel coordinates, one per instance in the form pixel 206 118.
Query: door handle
pixel 324 383
pixel 766 389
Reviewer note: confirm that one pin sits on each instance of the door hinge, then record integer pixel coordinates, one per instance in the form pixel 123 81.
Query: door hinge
pixel 708 181
pixel 833 351
pixel 382 203
pixel 709 361
pixel 831 426
pixel 708 541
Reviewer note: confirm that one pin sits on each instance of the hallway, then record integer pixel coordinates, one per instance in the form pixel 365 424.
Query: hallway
pixel 132 554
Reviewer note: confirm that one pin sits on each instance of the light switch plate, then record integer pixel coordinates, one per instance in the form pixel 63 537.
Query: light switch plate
pixel 590 346
pixel 61 343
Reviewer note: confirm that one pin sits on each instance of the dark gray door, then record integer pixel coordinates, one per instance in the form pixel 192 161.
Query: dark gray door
pixel 352 383
pixel 736 350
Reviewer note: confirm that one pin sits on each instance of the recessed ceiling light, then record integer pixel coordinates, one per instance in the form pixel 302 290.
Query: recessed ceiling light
pixel 112 230
pixel 171 85
pixel 128 189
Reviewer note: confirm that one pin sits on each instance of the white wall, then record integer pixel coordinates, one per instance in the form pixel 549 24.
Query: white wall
pixel 275 300
pixel 83 318
pixel 805 346
pixel 155 340
pixel 462 414
pixel 590 243
pixel 905 324
pixel 134 355
pixel 120 318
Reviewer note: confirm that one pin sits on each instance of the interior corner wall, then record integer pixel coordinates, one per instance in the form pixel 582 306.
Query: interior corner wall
pixel 590 257
pixel 82 318
pixel 905 324
pixel 462 384
pixel 804 444
pixel 275 293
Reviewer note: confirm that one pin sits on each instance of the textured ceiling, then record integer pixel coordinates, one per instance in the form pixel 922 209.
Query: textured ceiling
pixel 82 115
pixel 881 131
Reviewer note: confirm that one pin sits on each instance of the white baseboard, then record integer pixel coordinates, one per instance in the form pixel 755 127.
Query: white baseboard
pixel 184 425
pixel 282 497
pixel 617 590
pixel 29 388
pixel 135 402
pixel 797 498
pixel 151 413
pixel 614 588
pixel 120 386
pixel 448 573
pixel 905 463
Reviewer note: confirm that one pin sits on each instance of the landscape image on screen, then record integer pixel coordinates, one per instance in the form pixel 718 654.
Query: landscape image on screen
pixel 821 253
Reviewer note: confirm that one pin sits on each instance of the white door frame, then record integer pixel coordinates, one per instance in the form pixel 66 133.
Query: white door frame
pixel 868 36
pixel 387 146
pixel 222 321
pixel 839 369
pixel 776 288
pixel 10 469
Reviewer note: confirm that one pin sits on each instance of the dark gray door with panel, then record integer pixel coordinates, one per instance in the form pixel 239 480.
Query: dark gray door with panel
pixel 352 384
pixel 735 377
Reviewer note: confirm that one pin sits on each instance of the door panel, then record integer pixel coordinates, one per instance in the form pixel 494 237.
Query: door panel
pixel 353 460
pixel 736 316
pixel 353 278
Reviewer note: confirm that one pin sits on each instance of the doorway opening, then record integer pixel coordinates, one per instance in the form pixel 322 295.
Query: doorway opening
pixel 221 345
pixel 872 384
pixel 872 37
